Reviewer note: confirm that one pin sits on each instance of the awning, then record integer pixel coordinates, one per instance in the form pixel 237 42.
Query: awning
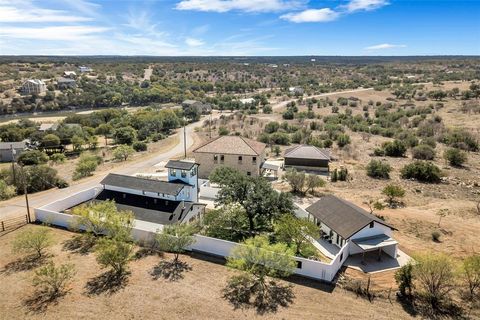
pixel 374 242
pixel 270 166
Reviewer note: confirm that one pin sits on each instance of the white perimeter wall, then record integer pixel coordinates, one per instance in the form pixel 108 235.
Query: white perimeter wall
pixel 144 232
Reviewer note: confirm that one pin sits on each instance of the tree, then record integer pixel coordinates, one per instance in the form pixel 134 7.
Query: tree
pixel 77 142
pixel 86 165
pixel 374 205
pixel 103 218
pixel 122 152
pixel 6 191
pixel 125 135
pixel 276 150
pixel 175 238
pixel 260 260
pixel 313 181
pixel 423 171
pixel 114 253
pixel 455 157
pixel 394 149
pixel 295 232
pixel 295 179
pixel 33 241
pixel 50 141
pixel 434 277
pixel 52 280
pixel 104 129
pixel 139 146
pixel 228 223
pixel 471 274
pixel 393 191
pixel 404 279
pixel 32 157
pixel 378 169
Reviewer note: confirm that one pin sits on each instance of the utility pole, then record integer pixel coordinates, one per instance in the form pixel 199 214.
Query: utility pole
pixel 13 165
pixel 210 126
pixel 25 191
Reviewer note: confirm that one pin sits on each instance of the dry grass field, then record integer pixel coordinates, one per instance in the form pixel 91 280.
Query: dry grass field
pixel 198 295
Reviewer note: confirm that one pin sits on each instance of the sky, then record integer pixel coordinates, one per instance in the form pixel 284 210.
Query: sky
pixel 239 27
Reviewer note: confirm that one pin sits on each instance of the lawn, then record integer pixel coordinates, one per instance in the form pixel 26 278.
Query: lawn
pixel 196 295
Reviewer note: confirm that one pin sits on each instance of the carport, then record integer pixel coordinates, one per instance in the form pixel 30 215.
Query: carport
pixel 378 243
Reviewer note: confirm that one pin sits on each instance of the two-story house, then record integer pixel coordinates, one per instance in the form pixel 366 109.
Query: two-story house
pixel 237 152
pixel 163 202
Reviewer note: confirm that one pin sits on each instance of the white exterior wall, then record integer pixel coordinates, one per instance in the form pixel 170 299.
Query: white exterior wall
pixel 146 193
pixel 378 229
pixel 189 193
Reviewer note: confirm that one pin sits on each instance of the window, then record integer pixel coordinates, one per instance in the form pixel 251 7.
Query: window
pixel 222 158
pixel 341 256
pixel 240 158
pixel 124 195
pixel 184 173
pixel 193 173
pixel 173 172
pixel 372 224
pixel 299 264
pixel 254 160
pixel 215 158
pixel 249 173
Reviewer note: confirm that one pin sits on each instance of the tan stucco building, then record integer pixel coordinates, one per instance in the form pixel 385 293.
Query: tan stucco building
pixel 243 154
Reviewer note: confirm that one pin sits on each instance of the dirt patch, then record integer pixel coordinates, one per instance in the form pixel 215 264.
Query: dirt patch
pixel 198 295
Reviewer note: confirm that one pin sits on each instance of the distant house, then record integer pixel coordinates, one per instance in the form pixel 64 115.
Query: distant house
pixel 69 74
pixel 85 69
pixel 48 126
pixel 296 90
pixel 341 222
pixel 33 86
pixel 307 158
pixel 247 101
pixel 66 83
pixel 11 150
pixel 237 152
pixel 203 108
pixel 156 201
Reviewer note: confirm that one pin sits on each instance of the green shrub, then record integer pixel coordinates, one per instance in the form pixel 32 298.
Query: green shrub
pixel 436 236
pixel 223 131
pixel 343 140
pixel 394 149
pixel 378 169
pixel 32 157
pixel 455 157
pixel 139 146
pixel 423 171
pixel 423 152
pixel 280 138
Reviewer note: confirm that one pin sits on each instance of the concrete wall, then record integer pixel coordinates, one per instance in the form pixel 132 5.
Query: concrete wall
pixel 144 232
pixel 207 191
pixel 207 164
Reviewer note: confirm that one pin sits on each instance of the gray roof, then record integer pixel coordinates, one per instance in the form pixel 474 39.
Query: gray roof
pixel 149 209
pixel 178 164
pixel 136 183
pixel 342 216
pixel 65 80
pixel 16 145
pixel 307 152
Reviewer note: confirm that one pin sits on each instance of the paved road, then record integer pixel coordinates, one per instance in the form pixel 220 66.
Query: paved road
pixel 17 206
pixel 284 103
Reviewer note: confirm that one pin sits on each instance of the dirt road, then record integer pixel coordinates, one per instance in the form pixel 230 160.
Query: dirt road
pixel 282 104
pixel 16 206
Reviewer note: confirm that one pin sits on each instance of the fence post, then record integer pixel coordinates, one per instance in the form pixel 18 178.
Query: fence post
pixel 3 226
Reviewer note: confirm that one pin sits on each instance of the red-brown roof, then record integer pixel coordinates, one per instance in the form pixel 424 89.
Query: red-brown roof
pixel 232 145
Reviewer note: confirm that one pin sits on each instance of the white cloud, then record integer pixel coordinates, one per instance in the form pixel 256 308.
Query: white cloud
pixel 385 46
pixel 312 15
pixel 141 21
pixel 64 33
pixel 33 14
pixel 365 5
pixel 240 5
pixel 192 42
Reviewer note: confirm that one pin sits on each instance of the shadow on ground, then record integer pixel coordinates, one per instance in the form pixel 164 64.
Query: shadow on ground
pixel 170 270
pixel 82 244
pixel 25 264
pixel 242 293
pixel 144 252
pixel 108 283
pixel 41 300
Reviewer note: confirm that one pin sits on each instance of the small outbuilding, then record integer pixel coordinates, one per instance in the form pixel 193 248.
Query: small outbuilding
pixel 307 158
pixel 11 150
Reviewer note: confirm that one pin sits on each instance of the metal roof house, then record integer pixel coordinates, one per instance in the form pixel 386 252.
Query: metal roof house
pixel 307 158
pixel 11 150
pixel 163 202
pixel 341 222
